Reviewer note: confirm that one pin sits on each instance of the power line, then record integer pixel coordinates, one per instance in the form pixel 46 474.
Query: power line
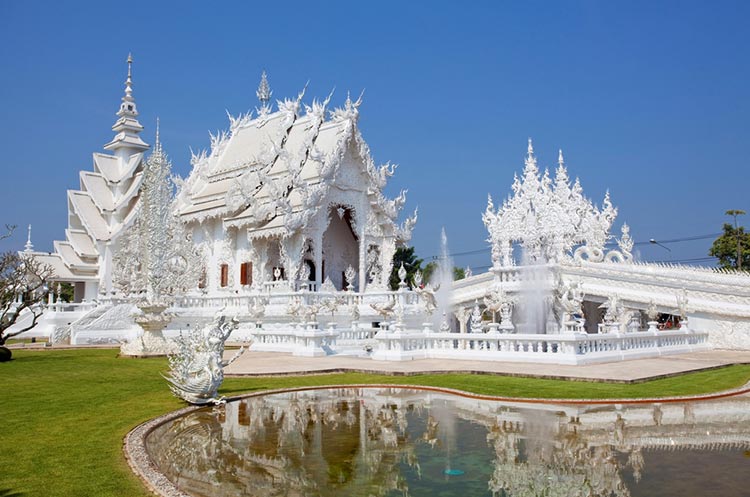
pixel 673 240
pixel 686 239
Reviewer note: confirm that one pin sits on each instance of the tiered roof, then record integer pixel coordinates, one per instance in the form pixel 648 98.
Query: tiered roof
pixel 270 173
pixel 107 199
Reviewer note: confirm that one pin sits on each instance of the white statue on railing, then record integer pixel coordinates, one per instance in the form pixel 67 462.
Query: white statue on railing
pixel 196 371
pixel 569 297
pixel 613 315
pixel 426 293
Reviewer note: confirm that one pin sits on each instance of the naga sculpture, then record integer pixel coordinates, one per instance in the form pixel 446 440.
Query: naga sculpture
pixel 196 371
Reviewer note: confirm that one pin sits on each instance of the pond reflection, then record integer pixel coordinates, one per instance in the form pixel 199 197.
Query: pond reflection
pixel 394 441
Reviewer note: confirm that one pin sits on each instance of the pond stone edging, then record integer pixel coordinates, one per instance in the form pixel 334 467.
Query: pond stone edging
pixel 139 461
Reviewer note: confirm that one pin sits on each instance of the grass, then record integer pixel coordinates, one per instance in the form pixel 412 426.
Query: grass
pixel 66 412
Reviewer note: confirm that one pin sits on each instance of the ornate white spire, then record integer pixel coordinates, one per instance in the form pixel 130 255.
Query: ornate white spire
pixel 128 102
pixel 560 160
pixel 127 126
pixel 264 91
pixel 157 142
pixel 530 169
pixel 29 246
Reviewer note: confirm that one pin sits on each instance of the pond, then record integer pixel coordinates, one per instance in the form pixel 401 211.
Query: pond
pixel 409 442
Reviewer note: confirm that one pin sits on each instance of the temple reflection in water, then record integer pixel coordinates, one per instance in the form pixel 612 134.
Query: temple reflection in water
pixel 393 441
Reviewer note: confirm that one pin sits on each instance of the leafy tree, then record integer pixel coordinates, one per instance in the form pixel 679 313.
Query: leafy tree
pixel 459 273
pixel 411 263
pixel 725 248
pixel 429 270
pixel 21 274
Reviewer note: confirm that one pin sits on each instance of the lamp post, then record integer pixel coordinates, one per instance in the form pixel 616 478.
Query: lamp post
pixel 653 241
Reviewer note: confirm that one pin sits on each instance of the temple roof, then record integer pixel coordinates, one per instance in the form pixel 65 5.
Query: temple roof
pixel 81 243
pixel 272 172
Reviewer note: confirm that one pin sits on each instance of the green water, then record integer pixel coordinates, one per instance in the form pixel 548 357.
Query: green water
pixel 397 442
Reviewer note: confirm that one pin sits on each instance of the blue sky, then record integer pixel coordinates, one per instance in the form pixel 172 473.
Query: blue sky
pixel 648 99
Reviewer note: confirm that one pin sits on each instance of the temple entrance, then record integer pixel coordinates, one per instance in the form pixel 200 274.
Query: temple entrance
pixel 340 246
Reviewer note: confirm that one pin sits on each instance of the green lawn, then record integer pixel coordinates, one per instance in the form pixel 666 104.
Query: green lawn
pixel 65 413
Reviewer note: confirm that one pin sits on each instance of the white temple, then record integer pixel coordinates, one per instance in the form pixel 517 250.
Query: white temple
pixel 286 226
pixel 292 196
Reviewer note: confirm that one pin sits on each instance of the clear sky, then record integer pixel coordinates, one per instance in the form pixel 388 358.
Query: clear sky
pixel 649 99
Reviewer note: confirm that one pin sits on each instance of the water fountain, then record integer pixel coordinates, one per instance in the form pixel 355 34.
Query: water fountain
pixel 443 285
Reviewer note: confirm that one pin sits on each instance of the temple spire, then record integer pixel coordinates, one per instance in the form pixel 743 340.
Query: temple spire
pixel 29 246
pixel 127 127
pixel 127 107
pixel 264 90
pixel 157 142
pixel 560 160
pixel 530 161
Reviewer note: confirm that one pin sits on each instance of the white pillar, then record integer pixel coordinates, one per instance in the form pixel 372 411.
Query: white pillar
pixel 318 256
pixel 362 279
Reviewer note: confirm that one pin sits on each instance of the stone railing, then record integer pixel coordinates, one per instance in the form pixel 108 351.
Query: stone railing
pixel 71 306
pixel 406 344
pixel 301 340
pixel 244 299
pixel 562 349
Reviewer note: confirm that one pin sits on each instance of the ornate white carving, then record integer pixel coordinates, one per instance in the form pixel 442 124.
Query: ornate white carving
pixel 350 275
pixel 549 218
pixel 196 371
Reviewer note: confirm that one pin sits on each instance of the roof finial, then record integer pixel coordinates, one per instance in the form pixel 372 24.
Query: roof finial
pixel 127 126
pixel 560 160
pixel 264 90
pixel 29 246
pixel 530 148
pixel 129 81
pixel 157 142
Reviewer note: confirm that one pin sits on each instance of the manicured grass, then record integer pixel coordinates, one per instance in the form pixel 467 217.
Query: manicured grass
pixel 65 412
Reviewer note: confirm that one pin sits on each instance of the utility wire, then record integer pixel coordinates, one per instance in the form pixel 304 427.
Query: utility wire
pixel 673 240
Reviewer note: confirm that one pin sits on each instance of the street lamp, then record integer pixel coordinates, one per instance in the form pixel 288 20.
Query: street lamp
pixel 661 245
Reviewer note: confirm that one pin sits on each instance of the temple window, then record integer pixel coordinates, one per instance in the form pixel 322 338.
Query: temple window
pixel 224 275
pixel 246 273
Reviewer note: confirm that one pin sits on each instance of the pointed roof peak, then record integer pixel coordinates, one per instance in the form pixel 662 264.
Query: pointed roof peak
pixel 127 126
pixel 129 82
pixel 264 89
pixel 29 246
pixel 157 141
pixel 530 148
pixel 560 159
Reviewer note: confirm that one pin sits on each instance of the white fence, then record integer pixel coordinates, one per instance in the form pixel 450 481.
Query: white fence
pixel 578 348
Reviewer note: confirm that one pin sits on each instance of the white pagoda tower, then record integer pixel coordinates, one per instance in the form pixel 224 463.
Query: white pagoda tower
pixel 105 204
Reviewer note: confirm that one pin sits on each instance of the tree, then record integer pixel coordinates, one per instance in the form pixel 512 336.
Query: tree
pixel 411 263
pixel 21 274
pixel 732 248
pixel 734 213
pixel 432 267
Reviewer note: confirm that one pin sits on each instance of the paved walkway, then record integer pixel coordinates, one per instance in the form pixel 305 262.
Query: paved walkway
pixel 276 363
